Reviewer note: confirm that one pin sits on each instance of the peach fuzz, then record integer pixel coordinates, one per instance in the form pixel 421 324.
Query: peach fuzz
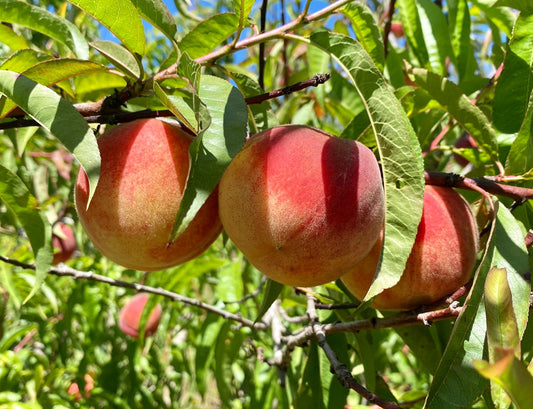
pixel 441 260
pixel 130 316
pixel 302 206
pixel 145 165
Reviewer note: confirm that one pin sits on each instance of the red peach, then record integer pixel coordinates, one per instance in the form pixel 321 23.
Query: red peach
pixel 441 260
pixel 145 165
pixel 303 206
pixel 130 316
pixel 64 243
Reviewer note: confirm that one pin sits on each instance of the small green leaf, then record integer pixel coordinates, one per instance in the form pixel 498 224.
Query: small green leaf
pixel 58 117
pixel 178 106
pixel 399 150
pixel 120 17
pixel 366 31
pixel 413 30
pixel 460 30
pixel 309 393
pixel 522 5
pixel 272 291
pixel 121 57
pixel 502 330
pixel 39 19
pixel 459 106
pixel 23 205
pixel 513 89
pixel 208 34
pixel 243 9
pixel 511 374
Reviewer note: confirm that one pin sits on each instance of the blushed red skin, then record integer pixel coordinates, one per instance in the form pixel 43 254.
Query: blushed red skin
pixel 144 170
pixel 442 259
pixel 130 316
pixel 64 247
pixel 303 206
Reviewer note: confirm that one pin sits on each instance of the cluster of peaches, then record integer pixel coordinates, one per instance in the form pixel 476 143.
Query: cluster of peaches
pixel 304 207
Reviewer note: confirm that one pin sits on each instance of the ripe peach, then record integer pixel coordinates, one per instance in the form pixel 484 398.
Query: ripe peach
pixel 64 243
pixel 303 206
pixel 130 316
pixel 145 166
pixel 441 260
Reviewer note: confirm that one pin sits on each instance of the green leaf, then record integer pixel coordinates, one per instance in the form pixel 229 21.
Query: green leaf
pixel 460 30
pixel 12 39
pixel 208 34
pixel 510 253
pixel 520 157
pixel 366 31
pixel 309 393
pixel 502 330
pixel 23 205
pixel 243 9
pixel 39 19
pixel 178 106
pixel 120 17
pixel 399 153
pixel 512 375
pixel 158 15
pixel 212 150
pixel 413 30
pixel 502 17
pixel 58 117
pixel 513 89
pixel 50 72
pixel 459 106
pixel 436 35
pixel 23 59
pixel 522 5
pixel 121 57
pixel 272 291
pixel 456 384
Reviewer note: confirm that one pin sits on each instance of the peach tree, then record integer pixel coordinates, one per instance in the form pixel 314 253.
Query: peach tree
pixel 440 93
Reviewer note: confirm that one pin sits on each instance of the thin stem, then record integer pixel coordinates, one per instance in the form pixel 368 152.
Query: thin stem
pixel 63 270
pixel 388 24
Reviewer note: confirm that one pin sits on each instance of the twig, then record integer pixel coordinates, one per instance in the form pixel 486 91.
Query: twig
pixel 261 57
pixel 343 374
pixel 63 270
pixel 453 180
pixel 313 82
pixel 387 27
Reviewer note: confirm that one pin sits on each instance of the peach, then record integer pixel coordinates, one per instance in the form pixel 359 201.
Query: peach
pixel 441 260
pixel 130 316
pixel 64 243
pixel 145 165
pixel 302 206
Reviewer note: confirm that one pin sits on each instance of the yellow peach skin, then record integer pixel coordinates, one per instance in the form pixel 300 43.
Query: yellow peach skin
pixel 303 206
pixel 144 170
pixel 442 259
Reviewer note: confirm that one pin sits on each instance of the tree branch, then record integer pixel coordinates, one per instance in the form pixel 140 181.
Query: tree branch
pixel 63 270
pixel 343 374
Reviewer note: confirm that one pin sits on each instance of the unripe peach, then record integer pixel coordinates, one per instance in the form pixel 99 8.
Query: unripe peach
pixel 64 243
pixel 145 166
pixel 441 260
pixel 303 206
pixel 130 316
